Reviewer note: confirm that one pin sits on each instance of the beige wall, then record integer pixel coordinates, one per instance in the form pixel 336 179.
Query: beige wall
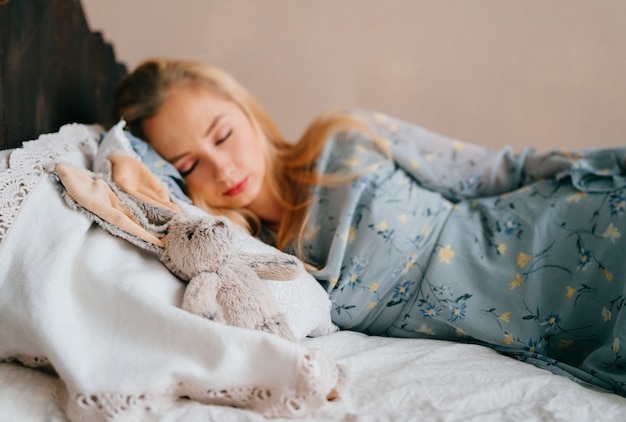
pixel 549 73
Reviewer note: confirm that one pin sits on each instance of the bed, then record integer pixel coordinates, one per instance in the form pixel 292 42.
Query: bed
pixel 91 326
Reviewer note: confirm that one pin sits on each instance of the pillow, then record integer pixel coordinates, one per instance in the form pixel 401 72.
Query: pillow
pixel 303 300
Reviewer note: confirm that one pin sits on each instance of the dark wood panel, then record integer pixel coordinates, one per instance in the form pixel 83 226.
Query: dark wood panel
pixel 53 69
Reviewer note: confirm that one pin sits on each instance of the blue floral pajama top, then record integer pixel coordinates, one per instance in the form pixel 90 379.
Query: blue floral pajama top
pixel 523 252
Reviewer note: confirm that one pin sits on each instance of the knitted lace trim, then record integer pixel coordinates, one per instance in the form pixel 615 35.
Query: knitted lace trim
pixel 316 376
pixel 26 166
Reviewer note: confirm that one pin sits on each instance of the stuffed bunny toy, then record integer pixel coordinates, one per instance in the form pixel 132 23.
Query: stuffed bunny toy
pixel 224 285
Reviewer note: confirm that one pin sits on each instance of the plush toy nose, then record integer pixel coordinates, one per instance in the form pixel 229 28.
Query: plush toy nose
pixel 220 225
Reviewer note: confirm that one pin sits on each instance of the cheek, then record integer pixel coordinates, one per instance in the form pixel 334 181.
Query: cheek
pixel 202 188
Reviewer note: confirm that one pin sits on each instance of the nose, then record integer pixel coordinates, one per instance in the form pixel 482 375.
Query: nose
pixel 223 167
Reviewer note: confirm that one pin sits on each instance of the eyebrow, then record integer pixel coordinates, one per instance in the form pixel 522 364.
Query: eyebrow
pixel 209 130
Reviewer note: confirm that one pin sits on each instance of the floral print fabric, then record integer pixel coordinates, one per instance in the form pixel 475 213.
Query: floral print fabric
pixel 523 252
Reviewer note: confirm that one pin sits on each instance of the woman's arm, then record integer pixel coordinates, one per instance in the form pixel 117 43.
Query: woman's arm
pixel 458 169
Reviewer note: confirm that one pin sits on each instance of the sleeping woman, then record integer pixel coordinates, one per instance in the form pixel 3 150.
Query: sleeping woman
pixel 411 233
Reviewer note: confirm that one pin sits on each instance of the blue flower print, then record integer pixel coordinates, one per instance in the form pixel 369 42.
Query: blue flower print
pixel 354 276
pixel 471 182
pixel 431 310
pixel 584 259
pixel 532 346
pixel 551 321
pixel 617 204
pixel 458 312
pixel 511 226
pixel 401 291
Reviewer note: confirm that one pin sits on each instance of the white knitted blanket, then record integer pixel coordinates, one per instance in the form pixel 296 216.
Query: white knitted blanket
pixel 104 315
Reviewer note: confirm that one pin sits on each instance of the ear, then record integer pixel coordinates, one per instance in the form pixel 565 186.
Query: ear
pixel 273 266
pixel 101 203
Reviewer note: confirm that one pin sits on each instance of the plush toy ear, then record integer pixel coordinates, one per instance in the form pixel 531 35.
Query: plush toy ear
pixel 277 266
pixel 136 179
pixel 95 196
pixel 143 189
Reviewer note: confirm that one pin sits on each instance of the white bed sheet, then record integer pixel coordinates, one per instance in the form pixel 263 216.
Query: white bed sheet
pixel 390 380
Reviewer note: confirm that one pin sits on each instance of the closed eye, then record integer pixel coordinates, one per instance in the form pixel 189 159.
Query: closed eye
pixel 224 138
pixel 185 173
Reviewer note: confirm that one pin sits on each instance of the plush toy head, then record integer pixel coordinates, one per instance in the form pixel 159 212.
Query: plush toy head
pixel 194 245
pixel 224 285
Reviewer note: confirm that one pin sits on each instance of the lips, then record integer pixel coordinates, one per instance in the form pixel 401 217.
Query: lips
pixel 237 189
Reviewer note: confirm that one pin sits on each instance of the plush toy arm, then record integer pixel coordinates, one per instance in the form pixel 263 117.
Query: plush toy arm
pixel 200 297
pixel 273 266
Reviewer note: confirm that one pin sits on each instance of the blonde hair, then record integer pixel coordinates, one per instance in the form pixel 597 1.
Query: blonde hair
pixel 291 166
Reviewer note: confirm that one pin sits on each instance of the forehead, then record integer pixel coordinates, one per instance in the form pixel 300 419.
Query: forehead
pixel 185 96
pixel 187 110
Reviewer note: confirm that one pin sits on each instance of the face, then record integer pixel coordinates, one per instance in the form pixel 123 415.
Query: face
pixel 213 145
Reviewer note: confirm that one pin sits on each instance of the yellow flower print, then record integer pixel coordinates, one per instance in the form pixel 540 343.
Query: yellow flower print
pixel 460 333
pixel 570 154
pixel 516 281
pixel 353 162
pixel 414 164
pixel 523 259
pixel 410 262
pixel 606 314
pixel 374 287
pixel 506 317
pixel 576 197
pixel 429 157
pixel 508 339
pixel 426 231
pixel 371 305
pixel 424 329
pixel 382 226
pixel 570 292
pixel 403 218
pixel 312 231
pixel 505 195
pixel 502 249
pixel 354 277
pixel 607 275
pixel 612 233
pixel 333 282
pixel 458 146
pixel 352 234
pixel 393 127
pixel 563 343
pixel 615 346
pixel 446 254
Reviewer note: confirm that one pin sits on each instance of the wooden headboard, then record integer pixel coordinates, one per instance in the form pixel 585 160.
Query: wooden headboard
pixel 53 69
